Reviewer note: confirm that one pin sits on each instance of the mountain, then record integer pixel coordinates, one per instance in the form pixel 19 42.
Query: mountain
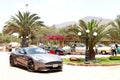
pixel 88 18
pixel 103 21
pixel 65 24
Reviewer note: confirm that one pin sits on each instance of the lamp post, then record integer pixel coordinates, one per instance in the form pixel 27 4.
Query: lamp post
pixel 26 7
pixel 87 42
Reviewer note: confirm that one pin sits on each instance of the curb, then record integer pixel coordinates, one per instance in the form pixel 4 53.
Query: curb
pixel 91 64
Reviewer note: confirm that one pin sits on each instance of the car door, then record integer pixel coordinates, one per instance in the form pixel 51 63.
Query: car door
pixel 22 57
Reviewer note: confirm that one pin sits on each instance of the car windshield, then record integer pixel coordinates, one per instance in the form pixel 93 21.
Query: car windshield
pixel 36 51
pixel 80 45
pixel 100 45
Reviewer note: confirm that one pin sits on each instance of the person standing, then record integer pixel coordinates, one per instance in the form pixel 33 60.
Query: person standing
pixel 73 47
pixel 10 48
pixel 96 50
pixel 41 45
pixel 49 45
pixel 113 48
pixel 116 45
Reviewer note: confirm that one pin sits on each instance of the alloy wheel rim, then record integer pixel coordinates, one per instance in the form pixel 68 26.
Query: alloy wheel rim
pixel 30 66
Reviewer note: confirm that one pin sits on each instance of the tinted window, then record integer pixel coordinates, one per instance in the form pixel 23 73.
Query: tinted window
pixel 36 51
pixel 80 45
pixel 19 51
pixel 101 45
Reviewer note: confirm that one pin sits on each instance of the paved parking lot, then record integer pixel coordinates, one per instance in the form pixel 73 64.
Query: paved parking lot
pixel 69 72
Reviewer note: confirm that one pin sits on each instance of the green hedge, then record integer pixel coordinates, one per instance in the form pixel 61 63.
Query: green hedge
pixel 114 57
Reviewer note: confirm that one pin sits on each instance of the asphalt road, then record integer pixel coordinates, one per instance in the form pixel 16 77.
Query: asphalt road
pixel 69 72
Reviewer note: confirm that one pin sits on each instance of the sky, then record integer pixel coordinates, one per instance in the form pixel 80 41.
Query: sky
pixel 59 11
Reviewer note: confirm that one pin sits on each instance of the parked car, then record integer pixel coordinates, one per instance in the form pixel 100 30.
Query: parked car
pixel 103 49
pixel 117 47
pixel 12 46
pixel 56 50
pixel 35 59
pixel 2 47
pixel 67 49
pixel 80 48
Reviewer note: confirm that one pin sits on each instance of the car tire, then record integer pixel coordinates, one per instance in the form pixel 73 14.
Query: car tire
pixel 103 52
pixel 57 53
pixel 30 65
pixel 12 63
pixel 69 53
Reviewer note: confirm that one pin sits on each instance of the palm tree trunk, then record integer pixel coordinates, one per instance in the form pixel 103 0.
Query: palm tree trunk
pixel 91 54
pixel 24 42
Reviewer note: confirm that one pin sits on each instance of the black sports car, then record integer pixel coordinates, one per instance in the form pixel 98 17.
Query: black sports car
pixel 57 50
pixel 35 59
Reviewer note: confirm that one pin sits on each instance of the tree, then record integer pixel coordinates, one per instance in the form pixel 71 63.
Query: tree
pixel 70 32
pixel 93 26
pixel 41 32
pixel 22 23
pixel 115 32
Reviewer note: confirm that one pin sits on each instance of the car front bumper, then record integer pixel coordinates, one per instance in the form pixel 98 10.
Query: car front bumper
pixel 51 66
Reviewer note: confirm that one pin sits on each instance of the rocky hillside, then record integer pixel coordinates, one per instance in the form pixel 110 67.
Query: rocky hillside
pixel 88 18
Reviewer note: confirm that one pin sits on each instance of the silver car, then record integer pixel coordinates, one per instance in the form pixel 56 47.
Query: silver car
pixel 36 59
pixel 80 48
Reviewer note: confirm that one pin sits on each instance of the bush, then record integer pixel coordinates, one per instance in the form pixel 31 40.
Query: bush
pixel 114 57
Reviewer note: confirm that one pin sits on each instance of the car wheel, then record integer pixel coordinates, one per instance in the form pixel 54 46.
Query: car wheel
pixel 69 53
pixel 12 63
pixel 103 52
pixel 30 65
pixel 57 53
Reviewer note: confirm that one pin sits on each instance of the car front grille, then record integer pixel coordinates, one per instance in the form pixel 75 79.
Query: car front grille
pixel 59 67
pixel 54 62
pixel 54 68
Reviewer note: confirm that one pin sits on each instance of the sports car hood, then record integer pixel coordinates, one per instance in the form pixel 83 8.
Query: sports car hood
pixel 46 57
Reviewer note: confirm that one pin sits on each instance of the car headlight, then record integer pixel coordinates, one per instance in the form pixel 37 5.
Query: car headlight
pixel 38 59
pixel 41 60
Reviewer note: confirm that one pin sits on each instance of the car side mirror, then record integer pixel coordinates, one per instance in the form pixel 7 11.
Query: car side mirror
pixel 22 52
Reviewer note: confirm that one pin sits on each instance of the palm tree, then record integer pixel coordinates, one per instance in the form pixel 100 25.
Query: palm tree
pixel 115 32
pixel 22 23
pixel 93 26
pixel 71 32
